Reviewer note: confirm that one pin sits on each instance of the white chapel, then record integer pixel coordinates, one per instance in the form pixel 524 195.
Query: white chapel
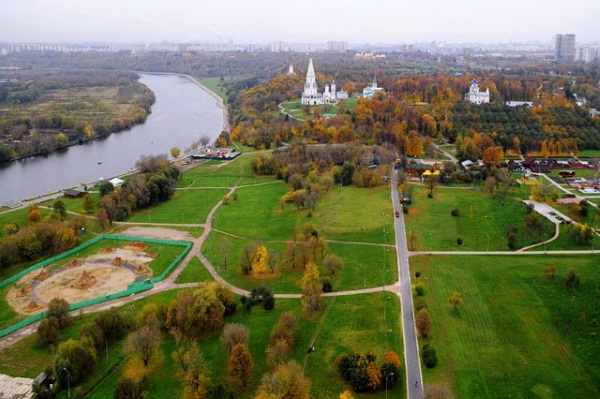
pixel 475 96
pixel 311 95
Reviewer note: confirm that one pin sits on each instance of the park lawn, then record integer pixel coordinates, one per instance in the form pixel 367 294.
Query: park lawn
pixel 579 173
pixel 592 218
pixel 338 334
pixel 232 173
pixel 504 341
pixel 19 216
pixel 589 153
pixel 339 215
pixel 363 266
pixel 482 222
pixel 194 272
pixel 185 206
pixel 214 85
pixel 565 242
pixel 75 204
pixel 165 254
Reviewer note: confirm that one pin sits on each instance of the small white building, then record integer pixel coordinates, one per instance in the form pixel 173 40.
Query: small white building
pixel 475 96
pixel 341 95
pixel 369 91
pixel 519 103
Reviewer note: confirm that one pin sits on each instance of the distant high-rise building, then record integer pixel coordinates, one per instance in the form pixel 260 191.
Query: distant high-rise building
pixel 565 47
pixel 280 47
pixel 337 46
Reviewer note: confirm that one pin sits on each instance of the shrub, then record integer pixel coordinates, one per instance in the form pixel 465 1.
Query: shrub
pixel 455 212
pixel 573 278
pixel 429 356
pixel 429 195
pixel 459 241
pixel 418 274
pixel 327 287
pixel 420 304
pixel 419 289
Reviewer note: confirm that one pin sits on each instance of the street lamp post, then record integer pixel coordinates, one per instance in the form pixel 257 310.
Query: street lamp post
pixel 68 382
pixel 386 383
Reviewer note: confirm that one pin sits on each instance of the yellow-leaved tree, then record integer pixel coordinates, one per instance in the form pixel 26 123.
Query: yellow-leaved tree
pixel 259 263
pixel 311 274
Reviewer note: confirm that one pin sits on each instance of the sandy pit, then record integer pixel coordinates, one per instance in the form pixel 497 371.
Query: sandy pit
pixel 157 232
pixel 85 279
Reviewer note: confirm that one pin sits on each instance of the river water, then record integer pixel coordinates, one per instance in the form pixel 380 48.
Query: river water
pixel 181 114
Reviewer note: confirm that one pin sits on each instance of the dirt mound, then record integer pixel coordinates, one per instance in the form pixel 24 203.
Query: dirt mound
pixel 140 270
pixel 75 263
pixel 42 275
pixel 84 281
pixel 23 292
pixel 107 250
pixel 32 307
pixel 117 262
pixel 135 246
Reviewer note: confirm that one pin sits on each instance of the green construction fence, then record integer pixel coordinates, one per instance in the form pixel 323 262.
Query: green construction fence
pixel 131 289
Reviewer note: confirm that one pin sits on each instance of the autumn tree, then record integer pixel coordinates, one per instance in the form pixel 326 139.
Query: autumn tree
pixel 89 204
pixel 312 289
pixel 78 357
pixel 59 309
pixel 423 322
pixel 232 335
pixel 374 375
pixel 259 263
pixel 195 377
pixel 129 389
pixel 61 209
pixel 333 264
pixel 240 365
pixel 34 214
pixel 287 381
pixel 144 343
pixel 48 332
pixel 346 395
pixel 550 271
pixel 175 151
pixel 455 299
pixel 197 312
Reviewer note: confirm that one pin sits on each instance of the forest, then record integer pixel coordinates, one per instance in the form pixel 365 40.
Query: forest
pixel 41 111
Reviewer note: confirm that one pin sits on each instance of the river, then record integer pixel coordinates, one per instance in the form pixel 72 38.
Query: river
pixel 181 114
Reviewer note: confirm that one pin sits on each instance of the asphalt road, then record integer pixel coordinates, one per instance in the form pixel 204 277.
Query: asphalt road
pixel 414 381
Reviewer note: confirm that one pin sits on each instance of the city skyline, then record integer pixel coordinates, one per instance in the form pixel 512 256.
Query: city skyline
pixel 379 21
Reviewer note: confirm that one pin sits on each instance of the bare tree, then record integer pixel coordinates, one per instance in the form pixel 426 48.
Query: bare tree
pixel 144 343
pixel 204 140
pixel 234 334
pixel 224 248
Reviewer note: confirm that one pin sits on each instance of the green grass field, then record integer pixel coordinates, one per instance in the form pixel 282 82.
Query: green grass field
pixel 482 221
pixel 340 214
pixel 214 85
pixel 18 216
pixel 363 266
pixel 184 207
pixel 194 272
pixel 75 204
pixel 505 340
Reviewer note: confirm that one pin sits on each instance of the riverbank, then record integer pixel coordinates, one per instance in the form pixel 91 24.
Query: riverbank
pixel 182 112
pixel 220 102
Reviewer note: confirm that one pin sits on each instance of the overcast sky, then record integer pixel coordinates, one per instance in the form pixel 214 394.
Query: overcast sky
pixel 357 21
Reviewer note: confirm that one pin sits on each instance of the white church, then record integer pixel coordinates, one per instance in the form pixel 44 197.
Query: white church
pixel 311 95
pixel 475 96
